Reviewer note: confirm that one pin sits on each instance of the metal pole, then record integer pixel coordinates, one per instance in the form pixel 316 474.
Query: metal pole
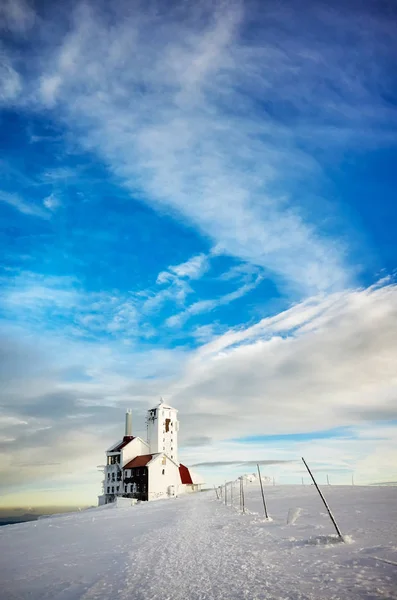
pixel 263 495
pixel 242 495
pixel 216 492
pixel 225 494
pixel 231 493
pixel 331 516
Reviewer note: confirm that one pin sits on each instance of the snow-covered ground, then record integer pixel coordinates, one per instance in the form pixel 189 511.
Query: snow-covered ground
pixel 194 547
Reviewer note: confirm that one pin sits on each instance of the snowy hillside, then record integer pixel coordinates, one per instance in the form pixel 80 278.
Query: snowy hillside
pixel 196 548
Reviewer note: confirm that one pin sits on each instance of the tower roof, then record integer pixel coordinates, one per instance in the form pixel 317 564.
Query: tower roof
pixel 120 445
pixel 162 404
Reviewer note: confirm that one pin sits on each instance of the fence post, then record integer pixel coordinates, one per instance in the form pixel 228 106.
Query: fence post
pixel 231 493
pixel 242 495
pixel 263 495
pixel 331 516
pixel 225 494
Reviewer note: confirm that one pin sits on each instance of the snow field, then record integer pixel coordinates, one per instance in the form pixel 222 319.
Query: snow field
pixel 196 548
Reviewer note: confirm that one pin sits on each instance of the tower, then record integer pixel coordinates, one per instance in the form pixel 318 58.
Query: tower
pixel 162 430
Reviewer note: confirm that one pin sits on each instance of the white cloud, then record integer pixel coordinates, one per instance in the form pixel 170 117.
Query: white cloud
pixel 340 371
pixel 177 105
pixel 10 82
pixel 174 283
pixel 51 202
pixel 16 16
pixel 49 87
pixel 33 298
pixel 203 306
pixel 24 207
pixel 191 269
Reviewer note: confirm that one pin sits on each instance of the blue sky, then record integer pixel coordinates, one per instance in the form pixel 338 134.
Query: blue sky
pixel 197 203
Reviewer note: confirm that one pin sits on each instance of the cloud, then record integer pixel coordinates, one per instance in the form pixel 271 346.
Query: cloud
pixel 226 126
pixel 237 463
pixel 10 82
pixel 62 303
pixel 203 306
pixel 323 363
pixel 283 375
pixel 52 202
pixel 16 16
pixel 174 283
pixel 26 208
pixel 191 269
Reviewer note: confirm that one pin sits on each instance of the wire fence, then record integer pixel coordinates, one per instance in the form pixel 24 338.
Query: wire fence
pixel 232 494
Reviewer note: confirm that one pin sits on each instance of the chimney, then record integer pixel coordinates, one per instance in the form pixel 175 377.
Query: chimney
pixel 128 422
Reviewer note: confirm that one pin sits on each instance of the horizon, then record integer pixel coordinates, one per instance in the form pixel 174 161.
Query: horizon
pixel 197 202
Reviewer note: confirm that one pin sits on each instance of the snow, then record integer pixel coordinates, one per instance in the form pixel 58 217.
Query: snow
pixel 196 548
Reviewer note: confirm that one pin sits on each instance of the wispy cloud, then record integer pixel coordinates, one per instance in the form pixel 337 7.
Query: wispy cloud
pixel 173 284
pixel 56 303
pixel 212 136
pixel 242 463
pixel 283 376
pixel 52 202
pixel 23 206
pixel 16 16
pixel 204 306
pixel 191 269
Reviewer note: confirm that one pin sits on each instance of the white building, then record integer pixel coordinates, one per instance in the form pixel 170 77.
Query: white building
pixel 147 470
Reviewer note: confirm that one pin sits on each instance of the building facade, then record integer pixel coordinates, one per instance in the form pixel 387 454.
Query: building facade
pixel 148 470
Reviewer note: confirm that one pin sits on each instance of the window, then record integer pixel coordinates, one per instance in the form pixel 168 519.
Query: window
pixel 108 490
pixel 108 476
pixel 112 489
pixel 172 456
pixel 118 487
pixel 163 472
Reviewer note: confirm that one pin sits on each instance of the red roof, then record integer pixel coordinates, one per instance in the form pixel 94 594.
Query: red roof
pixel 139 461
pixel 126 440
pixel 185 475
